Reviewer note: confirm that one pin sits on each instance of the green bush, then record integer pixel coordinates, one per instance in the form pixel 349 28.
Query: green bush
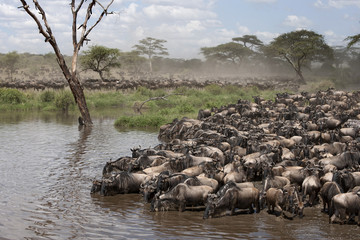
pixel 325 84
pixel 143 91
pixel 63 100
pixel 213 89
pixel 153 120
pixel 47 96
pixel 186 108
pixel 12 96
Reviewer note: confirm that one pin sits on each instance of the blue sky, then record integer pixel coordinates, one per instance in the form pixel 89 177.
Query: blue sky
pixel 186 25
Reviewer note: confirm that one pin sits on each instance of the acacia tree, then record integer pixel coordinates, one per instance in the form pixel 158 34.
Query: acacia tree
pixel 10 61
pixel 45 30
pixel 228 52
pixel 100 59
pixel 151 47
pixel 249 41
pixel 352 40
pixel 132 61
pixel 299 48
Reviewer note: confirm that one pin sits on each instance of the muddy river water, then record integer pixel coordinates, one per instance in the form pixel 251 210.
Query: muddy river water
pixel 46 167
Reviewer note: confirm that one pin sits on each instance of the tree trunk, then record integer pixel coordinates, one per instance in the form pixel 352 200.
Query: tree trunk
pixel 80 100
pixel 150 65
pixel 76 89
pixel 101 75
pixel 71 76
pixel 302 79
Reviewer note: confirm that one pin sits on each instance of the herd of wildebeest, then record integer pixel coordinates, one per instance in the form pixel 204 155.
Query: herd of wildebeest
pixel 295 152
pixel 157 82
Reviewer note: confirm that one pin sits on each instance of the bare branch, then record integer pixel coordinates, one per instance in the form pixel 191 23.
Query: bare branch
pixel 79 6
pixel 26 7
pixel 85 33
pixel 138 108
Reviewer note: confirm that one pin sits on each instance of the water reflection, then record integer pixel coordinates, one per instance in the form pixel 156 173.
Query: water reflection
pixel 47 164
pixel 62 206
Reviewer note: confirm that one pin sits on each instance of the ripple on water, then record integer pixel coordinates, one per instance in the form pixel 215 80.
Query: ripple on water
pixel 47 168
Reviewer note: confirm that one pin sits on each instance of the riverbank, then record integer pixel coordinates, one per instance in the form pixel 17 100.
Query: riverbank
pixel 140 108
pixel 143 107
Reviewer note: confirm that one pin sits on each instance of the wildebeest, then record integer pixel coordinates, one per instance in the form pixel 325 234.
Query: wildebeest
pixel 96 187
pixel 275 198
pixel 294 203
pixel 311 186
pixel 234 197
pixel 343 205
pixel 119 165
pixel 160 184
pixel 296 174
pixel 347 180
pixel 123 182
pixel 344 160
pixel 237 175
pixel 184 195
pixel 327 192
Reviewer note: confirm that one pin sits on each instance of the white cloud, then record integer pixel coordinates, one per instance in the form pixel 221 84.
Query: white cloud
pixel 343 3
pixel 297 22
pixel 329 33
pixel 337 3
pixel 266 37
pixel 226 34
pixel 129 14
pixel 177 12
pixel 333 39
pixel 320 4
pixel 139 32
pixel 243 30
pixel 202 4
pixel 178 31
pixel 262 1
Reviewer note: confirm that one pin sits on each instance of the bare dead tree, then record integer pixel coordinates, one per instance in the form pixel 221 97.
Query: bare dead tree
pixel 45 30
pixel 137 108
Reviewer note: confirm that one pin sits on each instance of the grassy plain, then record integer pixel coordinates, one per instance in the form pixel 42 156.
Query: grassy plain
pixel 158 107
pixel 165 106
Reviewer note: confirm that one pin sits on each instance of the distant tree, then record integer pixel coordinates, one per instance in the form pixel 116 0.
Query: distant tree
pixel 353 40
pixel 151 47
pixel 249 41
pixel 193 64
pixel 10 61
pixel 100 59
pixel 228 52
pixel 132 61
pixel 93 8
pixel 299 48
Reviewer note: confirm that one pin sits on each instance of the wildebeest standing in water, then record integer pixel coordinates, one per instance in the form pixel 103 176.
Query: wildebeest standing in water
pixel 183 195
pixel 234 197
pixel 123 182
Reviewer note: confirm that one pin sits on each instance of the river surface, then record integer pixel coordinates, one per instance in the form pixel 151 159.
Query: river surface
pixel 47 165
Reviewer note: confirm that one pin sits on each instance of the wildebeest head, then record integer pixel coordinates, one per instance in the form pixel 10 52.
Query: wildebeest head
pixel 117 166
pixel 148 189
pixel 158 205
pixel 122 182
pixel 294 202
pixel 108 186
pixel 135 151
pixel 108 168
pixel 96 187
pixel 216 205
pixel 210 209
pixel 143 162
pixel 346 180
